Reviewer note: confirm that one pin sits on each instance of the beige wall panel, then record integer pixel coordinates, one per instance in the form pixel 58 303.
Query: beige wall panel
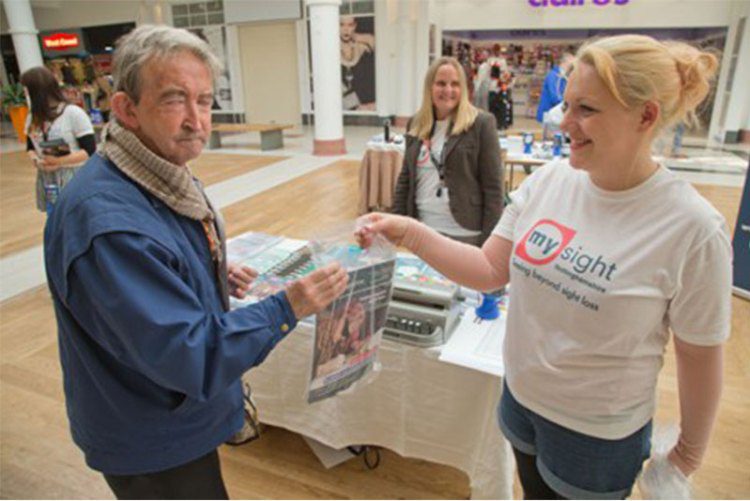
pixel 268 56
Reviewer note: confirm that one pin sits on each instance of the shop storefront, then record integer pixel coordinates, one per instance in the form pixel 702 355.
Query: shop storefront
pixel 81 58
pixel 528 55
pixel 530 32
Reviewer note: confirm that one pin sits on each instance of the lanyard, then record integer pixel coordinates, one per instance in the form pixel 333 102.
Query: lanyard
pixel 438 163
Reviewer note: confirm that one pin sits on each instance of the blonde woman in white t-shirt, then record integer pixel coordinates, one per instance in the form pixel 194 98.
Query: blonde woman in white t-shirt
pixel 608 253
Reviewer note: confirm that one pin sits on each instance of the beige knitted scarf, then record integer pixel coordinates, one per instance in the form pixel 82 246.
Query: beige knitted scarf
pixel 172 184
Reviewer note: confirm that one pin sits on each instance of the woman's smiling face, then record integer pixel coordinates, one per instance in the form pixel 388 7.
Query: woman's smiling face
pixel 446 91
pixel 600 127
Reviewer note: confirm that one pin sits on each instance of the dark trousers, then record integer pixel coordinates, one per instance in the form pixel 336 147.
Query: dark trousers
pixel 532 482
pixel 198 479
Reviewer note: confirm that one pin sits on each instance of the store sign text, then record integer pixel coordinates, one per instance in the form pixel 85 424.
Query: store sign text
pixel 61 41
pixel 574 3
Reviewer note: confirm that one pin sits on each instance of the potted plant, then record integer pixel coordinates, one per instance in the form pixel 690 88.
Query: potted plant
pixel 14 100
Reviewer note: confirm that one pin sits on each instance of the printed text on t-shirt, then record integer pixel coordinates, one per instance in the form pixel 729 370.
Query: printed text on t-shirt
pixel 547 240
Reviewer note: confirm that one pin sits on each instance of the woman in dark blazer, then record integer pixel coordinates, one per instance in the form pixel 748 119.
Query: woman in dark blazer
pixel 451 177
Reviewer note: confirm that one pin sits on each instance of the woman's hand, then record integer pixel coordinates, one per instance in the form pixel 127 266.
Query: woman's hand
pixel 34 158
pixel 391 226
pixel 662 479
pixel 674 458
pixel 239 279
pixel 49 163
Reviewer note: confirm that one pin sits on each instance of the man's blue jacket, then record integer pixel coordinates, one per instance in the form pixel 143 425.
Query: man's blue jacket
pixel 151 361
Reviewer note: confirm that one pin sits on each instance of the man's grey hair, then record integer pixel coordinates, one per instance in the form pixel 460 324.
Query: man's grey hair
pixel 146 42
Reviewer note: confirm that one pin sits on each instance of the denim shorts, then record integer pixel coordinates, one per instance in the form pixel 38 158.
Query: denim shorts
pixel 575 465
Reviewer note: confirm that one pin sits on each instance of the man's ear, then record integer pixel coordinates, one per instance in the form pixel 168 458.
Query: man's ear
pixel 124 109
pixel 649 115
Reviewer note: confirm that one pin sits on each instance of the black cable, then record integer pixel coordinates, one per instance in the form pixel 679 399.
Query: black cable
pixel 370 455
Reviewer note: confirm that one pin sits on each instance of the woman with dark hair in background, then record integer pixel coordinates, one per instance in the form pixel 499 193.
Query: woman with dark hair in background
pixel 60 137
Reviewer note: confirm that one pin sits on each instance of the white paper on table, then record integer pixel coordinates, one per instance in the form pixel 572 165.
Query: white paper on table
pixel 477 346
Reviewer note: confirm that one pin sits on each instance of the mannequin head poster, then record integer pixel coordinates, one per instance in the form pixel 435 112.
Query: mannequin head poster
pixel 357 35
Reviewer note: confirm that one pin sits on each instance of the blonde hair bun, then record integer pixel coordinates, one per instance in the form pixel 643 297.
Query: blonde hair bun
pixel 696 69
pixel 638 68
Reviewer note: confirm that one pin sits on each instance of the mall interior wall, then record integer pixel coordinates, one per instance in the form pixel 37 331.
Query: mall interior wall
pixel 735 125
pixel 58 14
pixel 403 31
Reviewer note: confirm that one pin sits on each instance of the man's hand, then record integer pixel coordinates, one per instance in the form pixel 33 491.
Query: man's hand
pixel 311 294
pixel 239 279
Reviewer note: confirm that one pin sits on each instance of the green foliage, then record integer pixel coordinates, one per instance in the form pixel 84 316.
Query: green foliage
pixel 12 95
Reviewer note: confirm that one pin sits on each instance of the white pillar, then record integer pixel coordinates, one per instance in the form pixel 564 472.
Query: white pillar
pixel 406 104
pixel 385 57
pixel 421 49
pixel 412 57
pixel 325 48
pixel 21 27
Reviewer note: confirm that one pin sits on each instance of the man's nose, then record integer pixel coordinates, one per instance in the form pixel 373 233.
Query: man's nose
pixel 192 117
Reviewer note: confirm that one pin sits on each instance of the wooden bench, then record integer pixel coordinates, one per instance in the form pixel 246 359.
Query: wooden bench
pixel 270 134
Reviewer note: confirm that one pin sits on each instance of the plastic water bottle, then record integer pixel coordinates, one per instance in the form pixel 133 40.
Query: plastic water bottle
pixel 96 116
pixel 528 142
pixel 51 192
pixel 557 145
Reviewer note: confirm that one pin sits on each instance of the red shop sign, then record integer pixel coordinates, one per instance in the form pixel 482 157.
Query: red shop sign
pixel 61 41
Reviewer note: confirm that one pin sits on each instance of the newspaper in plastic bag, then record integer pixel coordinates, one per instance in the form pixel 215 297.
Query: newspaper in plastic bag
pixel 348 333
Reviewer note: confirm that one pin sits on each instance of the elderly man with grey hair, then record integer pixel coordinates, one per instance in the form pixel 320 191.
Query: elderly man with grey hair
pixel 136 263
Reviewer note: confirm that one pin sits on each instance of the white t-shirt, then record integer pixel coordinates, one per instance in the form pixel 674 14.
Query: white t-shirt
pixel 72 123
pixel 435 210
pixel 598 277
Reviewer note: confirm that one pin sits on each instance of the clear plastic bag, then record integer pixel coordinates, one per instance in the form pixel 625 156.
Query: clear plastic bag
pixel 348 333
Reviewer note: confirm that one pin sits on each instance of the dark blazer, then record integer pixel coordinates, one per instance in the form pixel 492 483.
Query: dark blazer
pixel 473 176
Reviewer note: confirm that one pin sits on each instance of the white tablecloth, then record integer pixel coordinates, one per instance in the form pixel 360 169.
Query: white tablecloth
pixel 415 405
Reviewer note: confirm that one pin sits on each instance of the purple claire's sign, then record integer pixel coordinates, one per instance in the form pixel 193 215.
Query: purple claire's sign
pixel 574 3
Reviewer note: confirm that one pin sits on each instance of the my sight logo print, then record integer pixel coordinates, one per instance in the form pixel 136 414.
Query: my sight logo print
pixel 549 241
pixel 544 242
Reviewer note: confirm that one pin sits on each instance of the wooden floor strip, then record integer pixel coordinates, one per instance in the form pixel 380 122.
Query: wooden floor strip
pixel 39 460
pixel 21 224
